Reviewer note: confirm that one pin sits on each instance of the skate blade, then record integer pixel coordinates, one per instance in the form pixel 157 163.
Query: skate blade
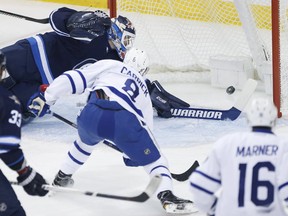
pixel 183 208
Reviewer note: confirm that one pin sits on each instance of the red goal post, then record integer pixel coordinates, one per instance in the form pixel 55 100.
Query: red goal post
pixel 183 36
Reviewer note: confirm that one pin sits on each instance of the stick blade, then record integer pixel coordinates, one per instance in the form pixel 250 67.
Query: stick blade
pixel 184 176
pixel 144 196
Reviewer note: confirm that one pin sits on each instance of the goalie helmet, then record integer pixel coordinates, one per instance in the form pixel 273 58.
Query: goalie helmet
pixel 262 112
pixel 2 65
pixel 122 34
pixel 138 60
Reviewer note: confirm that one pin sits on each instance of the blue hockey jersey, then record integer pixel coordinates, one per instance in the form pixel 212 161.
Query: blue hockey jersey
pixel 56 52
pixel 10 130
pixel 41 58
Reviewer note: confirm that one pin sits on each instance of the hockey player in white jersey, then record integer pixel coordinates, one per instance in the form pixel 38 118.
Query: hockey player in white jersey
pixel 119 109
pixel 239 176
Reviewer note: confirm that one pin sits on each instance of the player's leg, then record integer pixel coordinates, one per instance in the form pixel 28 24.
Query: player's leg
pixel 9 203
pixel 88 124
pixel 139 145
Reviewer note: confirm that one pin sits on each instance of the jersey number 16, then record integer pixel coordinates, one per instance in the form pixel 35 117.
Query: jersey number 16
pixel 256 184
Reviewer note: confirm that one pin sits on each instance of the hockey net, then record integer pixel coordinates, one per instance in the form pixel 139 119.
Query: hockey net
pixel 182 36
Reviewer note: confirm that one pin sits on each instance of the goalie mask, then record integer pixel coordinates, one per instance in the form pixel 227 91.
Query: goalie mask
pixel 262 112
pixel 138 60
pixel 2 66
pixel 122 34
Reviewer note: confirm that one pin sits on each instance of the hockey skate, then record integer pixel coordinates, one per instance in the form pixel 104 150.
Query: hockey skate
pixel 175 205
pixel 63 180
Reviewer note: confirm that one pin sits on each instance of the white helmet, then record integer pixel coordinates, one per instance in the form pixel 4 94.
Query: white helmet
pixel 262 112
pixel 138 60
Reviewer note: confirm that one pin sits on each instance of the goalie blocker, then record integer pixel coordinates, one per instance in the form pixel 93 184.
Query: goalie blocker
pixel 163 101
pixel 168 106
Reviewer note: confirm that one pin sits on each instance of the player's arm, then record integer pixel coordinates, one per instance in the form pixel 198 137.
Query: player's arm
pixel 283 181
pixel 12 155
pixel 31 180
pixel 205 182
pixel 80 25
pixel 58 19
pixel 70 82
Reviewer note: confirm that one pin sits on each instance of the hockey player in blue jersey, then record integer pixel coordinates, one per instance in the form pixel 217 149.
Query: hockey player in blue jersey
pixel 79 38
pixel 119 109
pixel 240 175
pixel 12 155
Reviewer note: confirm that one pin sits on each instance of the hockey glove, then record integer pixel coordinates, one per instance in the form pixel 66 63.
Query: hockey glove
pixel 87 25
pixel 37 106
pixel 163 101
pixel 32 182
pixel 63 180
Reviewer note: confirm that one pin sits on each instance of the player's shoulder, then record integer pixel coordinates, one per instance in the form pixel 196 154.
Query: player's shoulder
pixel 108 63
pixel 230 140
pixel 233 136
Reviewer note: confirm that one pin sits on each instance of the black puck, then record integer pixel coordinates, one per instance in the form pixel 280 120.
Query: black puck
pixel 230 90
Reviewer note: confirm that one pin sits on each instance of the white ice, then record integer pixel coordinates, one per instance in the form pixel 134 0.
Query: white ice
pixel 46 141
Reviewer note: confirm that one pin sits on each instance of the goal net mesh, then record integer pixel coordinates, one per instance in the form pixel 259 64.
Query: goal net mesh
pixel 181 36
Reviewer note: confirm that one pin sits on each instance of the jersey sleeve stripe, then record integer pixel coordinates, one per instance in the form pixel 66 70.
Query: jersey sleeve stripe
pixel 40 57
pixel 9 140
pixel 83 79
pixel 208 177
pixel 17 161
pixel 283 185
pixel 201 188
pixel 71 82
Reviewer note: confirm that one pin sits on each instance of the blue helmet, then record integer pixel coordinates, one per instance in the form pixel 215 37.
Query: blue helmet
pixel 122 34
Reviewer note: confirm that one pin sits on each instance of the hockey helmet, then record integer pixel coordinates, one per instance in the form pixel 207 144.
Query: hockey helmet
pixel 262 112
pixel 137 59
pixel 122 34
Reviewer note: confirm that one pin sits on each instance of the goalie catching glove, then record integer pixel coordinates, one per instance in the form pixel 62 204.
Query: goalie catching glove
pixel 163 101
pixel 87 25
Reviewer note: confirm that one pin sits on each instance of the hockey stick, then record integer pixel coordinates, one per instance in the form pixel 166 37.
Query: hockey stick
pixel 142 197
pixel 212 114
pixel 179 177
pixel 42 21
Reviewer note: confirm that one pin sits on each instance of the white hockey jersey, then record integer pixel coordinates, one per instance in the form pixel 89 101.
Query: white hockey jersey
pixel 120 82
pixel 241 171
pixel 283 181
